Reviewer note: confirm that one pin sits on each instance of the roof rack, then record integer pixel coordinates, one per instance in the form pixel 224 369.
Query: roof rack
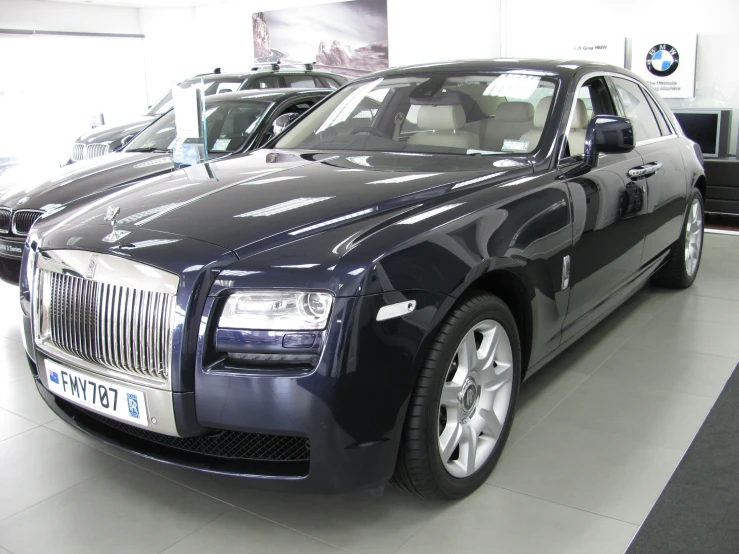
pixel 276 66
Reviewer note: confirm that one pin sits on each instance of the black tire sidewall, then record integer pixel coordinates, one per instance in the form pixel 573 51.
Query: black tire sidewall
pixel 493 308
pixel 687 280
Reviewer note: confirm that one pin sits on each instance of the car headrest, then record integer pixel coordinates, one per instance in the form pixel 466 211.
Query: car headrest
pixel 441 118
pixel 514 111
pixel 489 104
pixel 542 111
pixel 580 119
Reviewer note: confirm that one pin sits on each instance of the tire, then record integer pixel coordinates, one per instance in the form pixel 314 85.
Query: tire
pixel 681 270
pixel 424 466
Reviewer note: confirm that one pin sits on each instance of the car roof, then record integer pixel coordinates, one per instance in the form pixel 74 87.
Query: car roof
pixel 265 94
pixel 553 67
pixel 265 71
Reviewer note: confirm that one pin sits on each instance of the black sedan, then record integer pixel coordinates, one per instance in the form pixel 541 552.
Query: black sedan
pixel 237 122
pixel 362 301
pixel 112 138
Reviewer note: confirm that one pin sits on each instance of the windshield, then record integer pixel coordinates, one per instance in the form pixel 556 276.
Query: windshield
pixel 229 127
pixel 452 114
pixel 210 86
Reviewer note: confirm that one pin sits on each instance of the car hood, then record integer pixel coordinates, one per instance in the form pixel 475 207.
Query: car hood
pixel 114 133
pixel 71 182
pixel 271 197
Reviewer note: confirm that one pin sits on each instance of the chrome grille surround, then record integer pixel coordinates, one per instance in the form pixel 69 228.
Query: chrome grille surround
pixel 96 150
pixel 81 151
pixel 5 220
pixel 23 220
pixel 106 314
pixel 78 152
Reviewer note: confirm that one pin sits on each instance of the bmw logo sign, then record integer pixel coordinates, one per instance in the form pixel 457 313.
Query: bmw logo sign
pixel 662 60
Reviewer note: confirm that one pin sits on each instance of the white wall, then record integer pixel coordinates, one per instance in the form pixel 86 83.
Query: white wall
pixel 715 22
pixel 54 16
pixel 220 35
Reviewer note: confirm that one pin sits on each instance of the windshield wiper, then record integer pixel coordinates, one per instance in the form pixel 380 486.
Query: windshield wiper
pixel 149 150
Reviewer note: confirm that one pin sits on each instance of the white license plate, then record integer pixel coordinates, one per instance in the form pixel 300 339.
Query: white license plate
pixel 99 395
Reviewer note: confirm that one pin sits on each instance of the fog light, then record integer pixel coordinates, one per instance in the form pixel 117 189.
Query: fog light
pixel 298 340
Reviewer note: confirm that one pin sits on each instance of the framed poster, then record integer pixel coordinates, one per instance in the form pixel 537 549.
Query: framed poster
pixel 349 38
pixel 667 62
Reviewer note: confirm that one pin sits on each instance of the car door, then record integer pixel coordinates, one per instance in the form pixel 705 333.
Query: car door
pixel 662 171
pixel 607 212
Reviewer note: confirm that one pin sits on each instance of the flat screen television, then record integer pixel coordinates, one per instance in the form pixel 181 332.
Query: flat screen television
pixel 709 128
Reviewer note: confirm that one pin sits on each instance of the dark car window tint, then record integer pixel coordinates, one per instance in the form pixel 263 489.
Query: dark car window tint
pixel 302 81
pixel 264 82
pixel 637 109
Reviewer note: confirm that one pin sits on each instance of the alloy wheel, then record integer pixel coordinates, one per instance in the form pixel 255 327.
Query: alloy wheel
pixel 475 398
pixel 693 238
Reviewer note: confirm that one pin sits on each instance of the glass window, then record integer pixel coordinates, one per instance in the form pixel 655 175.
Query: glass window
pixel 637 109
pixel 229 127
pixel 264 82
pixel 302 81
pixel 330 83
pixel 664 127
pixel 161 106
pixel 435 112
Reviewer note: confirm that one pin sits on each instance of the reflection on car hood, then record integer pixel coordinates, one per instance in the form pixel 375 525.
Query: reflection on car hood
pixel 115 133
pixel 71 182
pixel 278 196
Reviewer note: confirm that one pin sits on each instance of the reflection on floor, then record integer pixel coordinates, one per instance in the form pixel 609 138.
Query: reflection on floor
pixel 598 434
pixel 722 222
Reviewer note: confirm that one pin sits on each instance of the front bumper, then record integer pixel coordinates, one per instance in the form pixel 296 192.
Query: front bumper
pixel 11 252
pixel 347 413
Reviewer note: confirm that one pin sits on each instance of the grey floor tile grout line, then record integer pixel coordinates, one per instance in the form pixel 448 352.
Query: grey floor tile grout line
pixel 589 375
pixel 233 506
pixel 7 549
pixel 22 432
pixel 714 297
pixel 598 514
pixel 63 490
pixel 178 541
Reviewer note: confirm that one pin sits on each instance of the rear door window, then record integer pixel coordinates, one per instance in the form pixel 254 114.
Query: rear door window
pixel 264 82
pixel 637 109
pixel 302 81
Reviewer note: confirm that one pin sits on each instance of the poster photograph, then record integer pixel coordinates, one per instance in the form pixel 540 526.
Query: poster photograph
pixel 667 62
pixel 349 38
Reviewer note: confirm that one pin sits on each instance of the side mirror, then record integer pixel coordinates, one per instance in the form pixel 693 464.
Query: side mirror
pixel 283 122
pixel 606 134
pixel 126 140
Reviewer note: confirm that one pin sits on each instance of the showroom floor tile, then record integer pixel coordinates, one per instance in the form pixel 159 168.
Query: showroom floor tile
pixel 598 433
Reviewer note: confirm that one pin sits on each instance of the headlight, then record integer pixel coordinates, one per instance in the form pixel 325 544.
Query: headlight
pixel 276 310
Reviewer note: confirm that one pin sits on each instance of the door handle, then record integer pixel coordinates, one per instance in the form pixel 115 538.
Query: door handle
pixel 644 171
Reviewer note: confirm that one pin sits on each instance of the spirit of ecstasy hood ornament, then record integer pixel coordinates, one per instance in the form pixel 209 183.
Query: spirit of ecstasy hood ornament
pixel 112 215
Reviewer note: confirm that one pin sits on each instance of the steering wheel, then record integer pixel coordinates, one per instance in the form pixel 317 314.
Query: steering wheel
pixel 369 130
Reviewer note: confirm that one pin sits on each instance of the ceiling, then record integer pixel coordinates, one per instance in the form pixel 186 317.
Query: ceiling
pixel 144 3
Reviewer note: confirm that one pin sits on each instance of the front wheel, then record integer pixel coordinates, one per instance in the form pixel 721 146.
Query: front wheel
pixel 685 258
pixel 461 410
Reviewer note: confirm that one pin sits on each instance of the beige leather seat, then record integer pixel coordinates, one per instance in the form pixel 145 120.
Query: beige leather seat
pixel 441 126
pixel 576 136
pixel 512 120
pixel 533 136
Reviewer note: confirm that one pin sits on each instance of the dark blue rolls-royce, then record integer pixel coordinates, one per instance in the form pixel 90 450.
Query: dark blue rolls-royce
pixel 360 301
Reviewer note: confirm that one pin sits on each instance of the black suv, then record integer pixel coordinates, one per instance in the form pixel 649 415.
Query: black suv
pixel 102 140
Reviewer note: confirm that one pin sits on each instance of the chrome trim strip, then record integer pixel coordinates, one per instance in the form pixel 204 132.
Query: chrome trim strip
pixel 398 309
pixel 111 270
pixel 159 403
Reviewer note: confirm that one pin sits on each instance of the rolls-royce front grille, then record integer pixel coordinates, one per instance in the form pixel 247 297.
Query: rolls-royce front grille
pixel 4 221
pixel 123 329
pixel 82 151
pixel 23 220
